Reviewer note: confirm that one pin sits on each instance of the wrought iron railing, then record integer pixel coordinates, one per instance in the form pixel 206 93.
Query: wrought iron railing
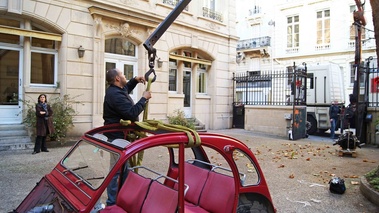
pixel 278 87
pixel 254 43
pixel 264 87
pixel 212 14
pixel 174 3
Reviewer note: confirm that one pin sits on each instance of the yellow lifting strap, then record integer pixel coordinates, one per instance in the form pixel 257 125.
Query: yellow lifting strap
pixel 155 125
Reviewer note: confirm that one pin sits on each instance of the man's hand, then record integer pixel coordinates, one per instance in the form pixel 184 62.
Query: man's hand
pixel 140 79
pixel 147 95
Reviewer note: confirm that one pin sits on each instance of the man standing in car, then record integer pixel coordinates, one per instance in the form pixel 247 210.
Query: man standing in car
pixel 119 105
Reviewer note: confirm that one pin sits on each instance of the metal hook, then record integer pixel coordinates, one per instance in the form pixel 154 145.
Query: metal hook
pixel 148 73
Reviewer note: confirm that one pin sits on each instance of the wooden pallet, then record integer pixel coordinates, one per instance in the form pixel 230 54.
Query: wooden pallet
pixel 344 152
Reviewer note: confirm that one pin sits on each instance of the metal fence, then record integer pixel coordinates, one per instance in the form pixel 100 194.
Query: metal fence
pixel 283 87
pixel 280 88
pixel 369 72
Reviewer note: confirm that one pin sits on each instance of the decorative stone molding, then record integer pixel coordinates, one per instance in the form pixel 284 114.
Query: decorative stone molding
pixel 212 26
pixel 98 25
pixel 15 6
pixel 129 2
pixel 124 29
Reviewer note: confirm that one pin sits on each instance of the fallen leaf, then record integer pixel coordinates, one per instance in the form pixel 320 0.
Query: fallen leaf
pixel 292 176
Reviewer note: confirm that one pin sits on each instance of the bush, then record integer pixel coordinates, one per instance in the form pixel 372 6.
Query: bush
pixel 373 178
pixel 63 114
pixel 179 119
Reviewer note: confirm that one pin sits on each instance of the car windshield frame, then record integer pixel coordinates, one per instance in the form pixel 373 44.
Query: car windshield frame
pixel 90 163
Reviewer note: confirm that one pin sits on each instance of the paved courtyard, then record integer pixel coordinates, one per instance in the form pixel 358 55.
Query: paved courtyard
pixel 297 172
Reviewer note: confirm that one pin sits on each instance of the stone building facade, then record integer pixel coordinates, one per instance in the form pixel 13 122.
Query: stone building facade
pixel 40 41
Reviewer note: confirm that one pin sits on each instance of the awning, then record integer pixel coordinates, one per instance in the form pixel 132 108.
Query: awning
pixel 30 33
pixel 190 59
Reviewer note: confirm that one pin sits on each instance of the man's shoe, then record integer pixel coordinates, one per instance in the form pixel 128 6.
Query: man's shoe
pixel 45 150
pixel 34 153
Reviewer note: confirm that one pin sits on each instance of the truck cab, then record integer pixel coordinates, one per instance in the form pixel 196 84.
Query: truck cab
pixel 324 85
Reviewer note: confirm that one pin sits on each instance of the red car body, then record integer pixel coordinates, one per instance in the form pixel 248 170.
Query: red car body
pixel 220 175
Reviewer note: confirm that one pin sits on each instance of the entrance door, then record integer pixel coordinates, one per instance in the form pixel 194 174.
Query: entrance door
pixel 10 86
pixel 187 93
pixel 129 69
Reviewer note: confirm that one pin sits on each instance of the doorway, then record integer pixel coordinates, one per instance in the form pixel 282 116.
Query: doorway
pixel 187 109
pixel 127 67
pixel 10 86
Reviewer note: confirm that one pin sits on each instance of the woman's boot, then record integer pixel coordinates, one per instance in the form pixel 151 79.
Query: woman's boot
pixel 43 145
pixel 37 145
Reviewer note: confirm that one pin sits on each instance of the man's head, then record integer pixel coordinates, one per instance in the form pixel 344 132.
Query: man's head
pixel 116 77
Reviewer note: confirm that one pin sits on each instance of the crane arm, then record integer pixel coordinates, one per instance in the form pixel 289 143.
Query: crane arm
pixel 154 37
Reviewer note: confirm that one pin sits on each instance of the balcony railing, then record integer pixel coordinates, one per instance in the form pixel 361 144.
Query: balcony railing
pixel 173 3
pixel 254 43
pixel 322 47
pixel 292 50
pixel 209 13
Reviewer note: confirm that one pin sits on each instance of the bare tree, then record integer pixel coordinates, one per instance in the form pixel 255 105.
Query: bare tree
pixel 375 19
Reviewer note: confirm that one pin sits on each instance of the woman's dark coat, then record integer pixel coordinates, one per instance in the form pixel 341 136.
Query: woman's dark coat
pixel 42 123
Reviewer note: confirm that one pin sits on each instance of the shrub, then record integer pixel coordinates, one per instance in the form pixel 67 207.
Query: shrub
pixel 373 178
pixel 63 113
pixel 179 119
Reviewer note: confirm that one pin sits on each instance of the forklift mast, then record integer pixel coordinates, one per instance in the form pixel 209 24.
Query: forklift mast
pixel 359 22
pixel 360 106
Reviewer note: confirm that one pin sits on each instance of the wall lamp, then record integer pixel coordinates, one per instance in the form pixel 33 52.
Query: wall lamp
pixel 159 62
pixel 81 51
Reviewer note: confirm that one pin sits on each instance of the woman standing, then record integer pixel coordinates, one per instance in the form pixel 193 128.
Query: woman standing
pixel 44 124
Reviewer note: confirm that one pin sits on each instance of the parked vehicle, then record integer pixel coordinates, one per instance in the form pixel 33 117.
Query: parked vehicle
pixel 324 85
pixel 165 172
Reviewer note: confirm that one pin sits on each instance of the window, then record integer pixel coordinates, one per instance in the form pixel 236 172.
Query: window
pixel 210 10
pixel 310 81
pixel 43 62
pixel 293 31
pixel 201 79
pixel 8 38
pixel 246 168
pixel 172 86
pixel 43 68
pixel 361 74
pixel 120 46
pixel 323 27
pixel 194 67
pixel 89 163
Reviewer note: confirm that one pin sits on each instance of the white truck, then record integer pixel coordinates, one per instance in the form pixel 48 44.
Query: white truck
pixel 324 85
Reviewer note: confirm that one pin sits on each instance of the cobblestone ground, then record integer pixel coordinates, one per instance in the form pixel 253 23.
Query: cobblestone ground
pixel 297 172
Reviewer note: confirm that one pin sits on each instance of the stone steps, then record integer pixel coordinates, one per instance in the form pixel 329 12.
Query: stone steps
pixel 198 126
pixel 14 136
